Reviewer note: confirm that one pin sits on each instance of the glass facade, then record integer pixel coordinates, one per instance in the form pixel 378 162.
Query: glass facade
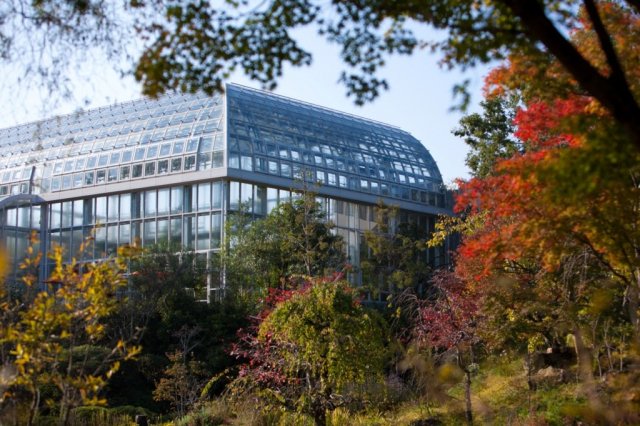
pixel 171 169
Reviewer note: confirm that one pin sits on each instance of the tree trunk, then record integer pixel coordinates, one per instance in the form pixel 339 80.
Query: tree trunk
pixel 467 396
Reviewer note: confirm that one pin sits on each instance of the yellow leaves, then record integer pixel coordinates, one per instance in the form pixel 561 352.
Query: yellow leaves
pixel 53 326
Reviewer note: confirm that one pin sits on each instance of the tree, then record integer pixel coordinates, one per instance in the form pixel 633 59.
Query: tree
pixel 448 323
pixel 315 351
pixel 396 254
pixel 182 382
pixel 171 319
pixel 52 336
pixel 294 240
pixel 490 135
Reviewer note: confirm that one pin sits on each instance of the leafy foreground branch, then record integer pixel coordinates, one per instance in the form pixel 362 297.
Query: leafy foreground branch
pixel 53 340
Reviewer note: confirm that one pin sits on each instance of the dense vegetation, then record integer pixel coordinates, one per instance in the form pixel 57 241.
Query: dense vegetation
pixel 535 321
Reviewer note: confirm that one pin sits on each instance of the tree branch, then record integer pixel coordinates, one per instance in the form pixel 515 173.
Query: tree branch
pixel 613 94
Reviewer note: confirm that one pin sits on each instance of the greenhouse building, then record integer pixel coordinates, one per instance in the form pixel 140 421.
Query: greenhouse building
pixel 171 169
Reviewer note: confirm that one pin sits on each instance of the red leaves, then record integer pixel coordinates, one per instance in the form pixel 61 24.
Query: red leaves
pixel 514 219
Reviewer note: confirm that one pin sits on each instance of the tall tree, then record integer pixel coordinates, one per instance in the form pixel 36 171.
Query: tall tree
pixel 295 239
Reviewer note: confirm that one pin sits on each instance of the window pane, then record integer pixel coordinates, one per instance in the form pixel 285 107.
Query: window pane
pixel 125 206
pixel 190 163
pixel 125 233
pixel 163 201
pixel 149 169
pixel 203 233
pixel 204 196
pixel 66 214
pixel 100 176
pixel 88 178
pixel 150 203
pixel 163 167
pixel 112 175
pixel 78 212
pixel 163 231
pixel 136 171
pixel 234 195
pixel 176 231
pixel 176 199
pixel 216 228
pixel 112 239
pixel 56 211
pixel 176 165
pixel 149 233
pixel 125 172
pixel 217 195
pixel 112 208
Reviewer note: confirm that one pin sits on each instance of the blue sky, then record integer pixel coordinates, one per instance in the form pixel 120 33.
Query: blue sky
pixel 418 100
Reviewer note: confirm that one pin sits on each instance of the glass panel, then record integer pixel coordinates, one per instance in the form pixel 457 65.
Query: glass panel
pixel 234 195
pixel 125 206
pixel 66 182
pixel 88 178
pixel 272 199
pixel 67 214
pixel 54 215
pixel 139 154
pixel 149 169
pixel 125 233
pixel 126 156
pixel 189 232
pixel 115 158
pixel 78 212
pixel 125 172
pixel 176 165
pixel 163 167
pixel 163 231
pixel 204 196
pixel 176 199
pixel 204 161
pixel 152 151
pixel 217 195
pixel 176 230
pixel 163 201
pixel 178 146
pixel 91 163
pixel 136 171
pixel 100 242
pixel 112 175
pixel 112 208
pixel 149 203
pixel 165 150
pixel 149 233
pixel 100 176
pixel 260 200
pixel 217 159
pixel 103 160
pixel 77 180
pixel 216 228
pixel 112 239
pixel 190 163
pixel 24 214
pixel 203 232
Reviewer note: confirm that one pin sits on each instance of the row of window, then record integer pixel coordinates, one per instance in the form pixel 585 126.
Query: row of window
pixel 197 232
pixel 147 204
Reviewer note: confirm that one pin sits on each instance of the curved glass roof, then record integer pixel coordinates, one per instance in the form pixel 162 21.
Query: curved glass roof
pixel 266 134
pixel 113 143
pixel 292 139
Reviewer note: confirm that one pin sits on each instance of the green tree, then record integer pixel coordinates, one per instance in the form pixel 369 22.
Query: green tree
pixel 396 255
pixel 181 383
pixel 489 135
pixel 170 318
pixel 318 350
pixel 294 240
